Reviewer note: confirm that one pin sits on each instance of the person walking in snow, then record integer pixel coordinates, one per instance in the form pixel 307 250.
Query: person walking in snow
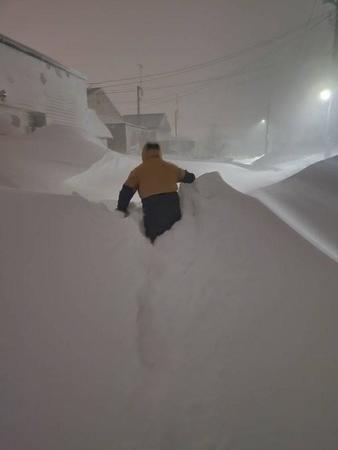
pixel 156 182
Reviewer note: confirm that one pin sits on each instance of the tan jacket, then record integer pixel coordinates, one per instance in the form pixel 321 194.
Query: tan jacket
pixel 154 176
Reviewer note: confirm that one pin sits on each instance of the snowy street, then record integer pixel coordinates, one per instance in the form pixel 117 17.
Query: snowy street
pixel 168 225
pixel 227 330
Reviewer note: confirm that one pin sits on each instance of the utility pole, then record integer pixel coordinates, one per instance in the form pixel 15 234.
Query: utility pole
pixel 267 127
pixel 139 91
pixel 176 116
pixel 139 96
pixel 267 119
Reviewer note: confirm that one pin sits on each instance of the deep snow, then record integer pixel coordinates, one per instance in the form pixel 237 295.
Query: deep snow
pixel 103 179
pixel 307 201
pixel 42 161
pixel 221 336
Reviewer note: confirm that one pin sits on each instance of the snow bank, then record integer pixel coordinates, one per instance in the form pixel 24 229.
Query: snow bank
pixel 63 159
pixel 42 161
pixel 103 180
pixel 221 336
pixel 307 201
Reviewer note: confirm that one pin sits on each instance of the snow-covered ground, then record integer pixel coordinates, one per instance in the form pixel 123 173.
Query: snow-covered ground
pixel 221 336
pixel 308 202
pixel 103 180
pixel 42 161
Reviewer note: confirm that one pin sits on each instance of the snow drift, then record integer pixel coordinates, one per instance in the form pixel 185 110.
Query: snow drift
pixel 42 161
pixel 307 201
pixel 64 159
pixel 103 180
pixel 221 336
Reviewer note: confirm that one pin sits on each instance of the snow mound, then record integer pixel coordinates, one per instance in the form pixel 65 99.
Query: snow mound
pixel 43 160
pixel 103 180
pixel 222 335
pixel 307 201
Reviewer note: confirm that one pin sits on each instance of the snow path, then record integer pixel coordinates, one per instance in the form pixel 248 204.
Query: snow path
pixel 222 335
pixel 304 197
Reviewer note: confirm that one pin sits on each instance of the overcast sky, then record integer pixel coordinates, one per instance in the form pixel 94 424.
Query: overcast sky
pixel 106 39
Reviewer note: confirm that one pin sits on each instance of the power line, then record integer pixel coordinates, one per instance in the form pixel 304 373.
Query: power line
pixel 204 84
pixel 176 85
pixel 206 81
pixel 233 55
pixel 188 83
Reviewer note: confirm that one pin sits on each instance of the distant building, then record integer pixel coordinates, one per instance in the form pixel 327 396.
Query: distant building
pixel 99 101
pixel 128 136
pixel 159 130
pixel 35 90
pixel 157 124
pixel 97 128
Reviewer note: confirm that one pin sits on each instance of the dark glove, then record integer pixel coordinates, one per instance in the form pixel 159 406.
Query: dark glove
pixel 188 177
pixel 126 194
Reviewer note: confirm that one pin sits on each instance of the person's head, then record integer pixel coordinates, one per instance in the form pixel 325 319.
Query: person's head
pixel 151 150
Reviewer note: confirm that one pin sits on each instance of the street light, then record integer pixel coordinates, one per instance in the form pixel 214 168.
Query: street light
pixel 325 95
pixel 263 121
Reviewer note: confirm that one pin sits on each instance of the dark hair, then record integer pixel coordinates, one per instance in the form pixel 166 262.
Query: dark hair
pixel 151 146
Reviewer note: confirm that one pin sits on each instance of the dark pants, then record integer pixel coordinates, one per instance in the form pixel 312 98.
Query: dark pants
pixel 160 211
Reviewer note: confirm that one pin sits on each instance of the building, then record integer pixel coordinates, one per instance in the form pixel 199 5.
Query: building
pixel 128 137
pixel 35 90
pixel 159 130
pixel 95 127
pixel 99 101
pixel 157 124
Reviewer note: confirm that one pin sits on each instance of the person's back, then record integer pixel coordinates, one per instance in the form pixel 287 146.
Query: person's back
pixel 156 181
pixel 156 176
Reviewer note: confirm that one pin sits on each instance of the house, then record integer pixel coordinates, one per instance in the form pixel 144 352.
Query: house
pixel 99 101
pixel 128 137
pixel 95 127
pixel 36 90
pixel 157 124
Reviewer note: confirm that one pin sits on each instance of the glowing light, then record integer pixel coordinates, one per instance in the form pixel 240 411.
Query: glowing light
pixel 263 121
pixel 325 95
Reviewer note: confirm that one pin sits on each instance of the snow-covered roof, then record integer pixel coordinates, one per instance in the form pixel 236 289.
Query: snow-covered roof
pixel 95 126
pixel 154 121
pixel 104 107
pixel 35 54
pixel 127 124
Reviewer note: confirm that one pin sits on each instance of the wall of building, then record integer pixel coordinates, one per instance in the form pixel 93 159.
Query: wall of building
pixel 14 121
pixel 36 86
pixel 96 127
pixel 161 135
pixel 106 111
pixel 128 138
pixel 119 140
pixel 137 137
